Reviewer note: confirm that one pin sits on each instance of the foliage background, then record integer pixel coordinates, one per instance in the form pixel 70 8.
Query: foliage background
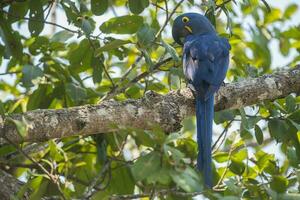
pixel 66 53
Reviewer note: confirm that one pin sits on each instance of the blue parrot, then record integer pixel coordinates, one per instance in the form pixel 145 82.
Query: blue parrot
pixel 205 63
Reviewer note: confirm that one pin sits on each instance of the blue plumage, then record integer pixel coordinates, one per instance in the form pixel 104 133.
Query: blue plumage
pixel 205 63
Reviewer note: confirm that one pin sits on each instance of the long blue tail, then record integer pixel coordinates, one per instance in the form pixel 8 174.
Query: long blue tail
pixel 205 115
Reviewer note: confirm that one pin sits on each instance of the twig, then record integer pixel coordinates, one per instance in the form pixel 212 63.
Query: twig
pixel 52 177
pixel 131 68
pixel 104 69
pixel 50 4
pixel 173 191
pixel 43 21
pixel 224 132
pixel 6 73
pixel 226 169
pixel 90 189
pixel 135 80
pixel 167 10
pixel 168 19
pixel 158 6
pixel 20 165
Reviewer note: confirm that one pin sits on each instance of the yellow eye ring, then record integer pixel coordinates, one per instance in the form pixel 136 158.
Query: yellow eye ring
pixel 185 19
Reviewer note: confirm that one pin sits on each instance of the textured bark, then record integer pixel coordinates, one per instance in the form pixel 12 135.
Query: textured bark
pixel 167 111
pixel 10 186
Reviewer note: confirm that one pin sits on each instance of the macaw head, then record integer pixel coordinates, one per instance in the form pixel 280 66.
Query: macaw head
pixel 190 24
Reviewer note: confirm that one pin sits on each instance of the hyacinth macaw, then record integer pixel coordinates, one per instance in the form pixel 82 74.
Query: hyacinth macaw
pixel 205 63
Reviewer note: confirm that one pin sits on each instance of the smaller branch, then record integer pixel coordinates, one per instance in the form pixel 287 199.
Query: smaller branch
pixel 167 10
pixel 223 4
pixel 7 73
pixel 226 169
pixel 53 178
pixel 43 21
pixel 50 4
pixel 267 5
pixel 92 187
pixel 158 6
pixel 172 191
pixel 168 19
pixel 20 165
pixel 224 132
pixel 132 67
pixel 104 69
pixel 135 80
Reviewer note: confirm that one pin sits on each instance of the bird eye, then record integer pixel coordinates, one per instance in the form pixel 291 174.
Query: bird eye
pixel 185 19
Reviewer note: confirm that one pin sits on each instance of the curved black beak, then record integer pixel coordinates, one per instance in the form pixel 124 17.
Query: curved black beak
pixel 177 36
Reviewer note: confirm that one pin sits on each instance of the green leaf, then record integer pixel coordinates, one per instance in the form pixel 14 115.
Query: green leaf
pixel 146 165
pixel 21 125
pixel 127 24
pixel 145 36
pixel 39 45
pixel 173 153
pixel 290 103
pixel 6 150
pixel 77 55
pixel 172 137
pixel 161 176
pixel 264 160
pixel 17 10
pixel 292 33
pixel 133 92
pixel 36 15
pixel 136 7
pixel 61 36
pixel 292 157
pixel 29 73
pixel 295 116
pixel 11 39
pixel 111 46
pixel 237 166
pixel 233 188
pixel 187 179
pixel 40 185
pixel 55 151
pixel 295 124
pixel 259 135
pixel 171 51
pixel 285 45
pixel 273 16
pixel 122 182
pixel 99 7
pixel 278 129
pixel 144 138
pixel 221 157
pixel 223 116
pixel 2 109
pixel 71 11
pixel 241 155
pixel 86 26
pixel 290 10
pixel 98 66
pixel 40 97
pixel 279 183
pixel 75 92
pixel 148 59
pixel 211 16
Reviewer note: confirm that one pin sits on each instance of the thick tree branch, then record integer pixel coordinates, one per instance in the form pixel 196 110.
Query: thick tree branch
pixel 167 111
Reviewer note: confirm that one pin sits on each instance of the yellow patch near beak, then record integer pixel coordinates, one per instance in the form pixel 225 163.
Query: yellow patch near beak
pixel 188 28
